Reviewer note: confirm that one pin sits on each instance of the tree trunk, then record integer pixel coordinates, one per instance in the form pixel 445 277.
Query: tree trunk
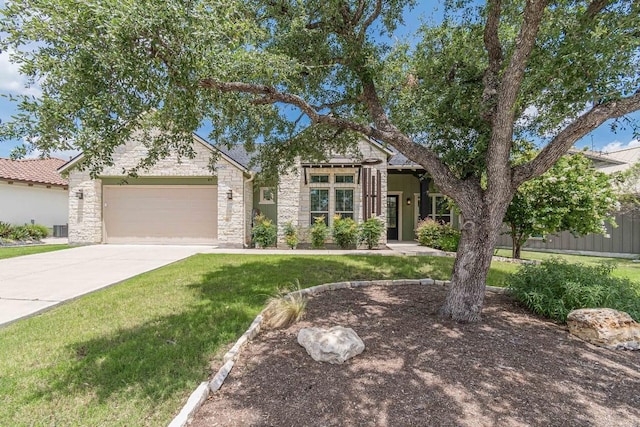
pixel 514 241
pixel 479 236
pixel 518 248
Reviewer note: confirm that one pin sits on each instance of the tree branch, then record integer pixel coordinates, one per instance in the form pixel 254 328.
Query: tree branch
pixel 569 135
pixel 500 143
pixel 596 7
pixel 367 23
pixel 491 79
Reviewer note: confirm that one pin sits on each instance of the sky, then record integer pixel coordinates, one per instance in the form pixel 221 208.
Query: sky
pixel 12 82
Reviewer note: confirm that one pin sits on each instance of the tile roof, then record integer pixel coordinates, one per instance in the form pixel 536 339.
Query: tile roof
pixel 40 171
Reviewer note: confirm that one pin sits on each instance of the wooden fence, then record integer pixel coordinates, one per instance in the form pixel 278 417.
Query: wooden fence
pixel 623 239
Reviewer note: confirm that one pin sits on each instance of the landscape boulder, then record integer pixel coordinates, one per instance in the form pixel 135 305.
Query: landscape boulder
pixel 605 327
pixel 334 345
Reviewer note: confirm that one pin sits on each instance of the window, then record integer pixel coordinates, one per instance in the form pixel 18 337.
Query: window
pixel 440 209
pixel 319 204
pixel 344 202
pixel 267 195
pixel 319 179
pixel 344 179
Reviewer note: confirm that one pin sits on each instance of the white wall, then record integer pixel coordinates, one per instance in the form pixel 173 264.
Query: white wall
pixel 19 204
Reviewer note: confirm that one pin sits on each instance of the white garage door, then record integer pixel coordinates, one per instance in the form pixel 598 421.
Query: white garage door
pixel 160 213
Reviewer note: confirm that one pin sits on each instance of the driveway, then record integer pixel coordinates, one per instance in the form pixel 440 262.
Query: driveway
pixel 33 283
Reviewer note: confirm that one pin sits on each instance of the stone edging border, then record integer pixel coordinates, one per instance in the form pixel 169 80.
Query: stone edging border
pixel 200 395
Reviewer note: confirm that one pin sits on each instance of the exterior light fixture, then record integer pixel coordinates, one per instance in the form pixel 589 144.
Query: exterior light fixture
pixel 230 195
pixel 408 201
pixel 80 194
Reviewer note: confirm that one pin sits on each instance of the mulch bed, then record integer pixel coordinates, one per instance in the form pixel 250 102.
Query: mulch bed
pixel 512 369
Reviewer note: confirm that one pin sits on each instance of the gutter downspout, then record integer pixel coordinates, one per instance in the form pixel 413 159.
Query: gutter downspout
pixel 252 176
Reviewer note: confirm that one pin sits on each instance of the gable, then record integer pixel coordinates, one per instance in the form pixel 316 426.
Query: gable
pixel 128 156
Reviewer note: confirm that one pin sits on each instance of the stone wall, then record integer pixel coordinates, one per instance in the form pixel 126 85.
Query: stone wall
pixel 289 202
pixel 294 197
pixel 85 215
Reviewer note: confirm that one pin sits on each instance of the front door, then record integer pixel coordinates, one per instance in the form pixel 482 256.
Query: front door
pixel 392 217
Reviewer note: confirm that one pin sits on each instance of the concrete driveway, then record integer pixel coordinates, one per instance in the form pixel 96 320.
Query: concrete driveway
pixel 33 283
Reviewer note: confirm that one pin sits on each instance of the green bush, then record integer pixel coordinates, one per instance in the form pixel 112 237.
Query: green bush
pixel 370 232
pixel 438 236
pixel 264 232
pixel 37 231
pixel 345 232
pixel 554 288
pixel 5 230
pixel 290 235
pixel 319 232
pixel 20 233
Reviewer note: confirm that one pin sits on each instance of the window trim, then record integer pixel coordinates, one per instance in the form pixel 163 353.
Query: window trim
pixel 263 199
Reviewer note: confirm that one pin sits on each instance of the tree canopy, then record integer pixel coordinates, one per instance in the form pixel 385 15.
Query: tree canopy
pixel 303 77
pixel 571 196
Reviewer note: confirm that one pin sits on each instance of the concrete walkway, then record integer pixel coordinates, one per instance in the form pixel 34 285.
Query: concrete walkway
pixel 33 283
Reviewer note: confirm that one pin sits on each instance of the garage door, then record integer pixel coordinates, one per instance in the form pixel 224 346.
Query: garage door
pixel 160 213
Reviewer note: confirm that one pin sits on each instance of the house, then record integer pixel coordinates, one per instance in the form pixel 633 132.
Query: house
pixel 180 200
pixel 33 192
pixel 623 239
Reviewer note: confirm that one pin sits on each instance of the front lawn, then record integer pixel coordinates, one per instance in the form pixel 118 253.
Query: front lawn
pixel 14 251
pixel 624 267
pixel 131 354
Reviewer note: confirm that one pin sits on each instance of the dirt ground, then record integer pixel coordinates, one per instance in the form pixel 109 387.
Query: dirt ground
pixel 513 369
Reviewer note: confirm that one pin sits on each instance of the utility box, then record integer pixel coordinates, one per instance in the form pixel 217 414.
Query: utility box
pixel 61 230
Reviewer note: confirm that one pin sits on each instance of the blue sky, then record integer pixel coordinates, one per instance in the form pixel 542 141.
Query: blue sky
pixel 11 82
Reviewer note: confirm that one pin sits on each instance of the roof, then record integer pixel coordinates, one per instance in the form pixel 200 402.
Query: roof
pixel 612 161
pixel 238 159
pixel 39 171
pixel 239 154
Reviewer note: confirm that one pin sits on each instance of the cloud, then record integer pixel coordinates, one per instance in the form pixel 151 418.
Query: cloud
pixel 617 145
pixel 11 81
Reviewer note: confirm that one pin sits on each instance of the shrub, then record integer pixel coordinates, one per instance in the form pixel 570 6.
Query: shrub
pixel 319 232
pixel 345 232
pixel 370 232
pixel 5 230
pixel 264 232
pixel 554 288
pixel 439 236
pixel 449 239
pixel 19 233
pixel 290 235
pixel 37 231
pixel 284 308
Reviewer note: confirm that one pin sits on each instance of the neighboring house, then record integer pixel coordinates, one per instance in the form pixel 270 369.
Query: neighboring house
pixel 623 239
pixel 182 201
pixel 32 191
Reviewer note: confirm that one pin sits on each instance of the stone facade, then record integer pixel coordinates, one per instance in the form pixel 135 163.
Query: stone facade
pixel 294 190
pixel 85 214
pixel 289 201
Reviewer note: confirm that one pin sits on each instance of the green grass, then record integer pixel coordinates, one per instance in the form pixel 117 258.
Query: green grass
pixel 624 267
pixel 131 354
pixel 14 251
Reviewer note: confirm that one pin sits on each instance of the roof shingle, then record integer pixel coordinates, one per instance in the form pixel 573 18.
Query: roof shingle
pixel 40 171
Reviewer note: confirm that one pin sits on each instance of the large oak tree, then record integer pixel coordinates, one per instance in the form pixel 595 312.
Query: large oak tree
pixel 305 76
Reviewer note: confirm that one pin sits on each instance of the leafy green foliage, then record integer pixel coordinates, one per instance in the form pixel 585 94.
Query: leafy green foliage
pixel 5 230
pixel 627 185
pixel 264 232
pixel 370 232
pixel 344 232
pixel 291 235
pixel 555 287
pixel 319 232
pixel 439 236
pixel 571 196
